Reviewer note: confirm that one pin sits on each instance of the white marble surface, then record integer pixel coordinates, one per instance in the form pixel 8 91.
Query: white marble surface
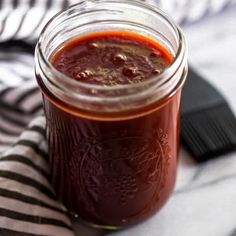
pixel 204 200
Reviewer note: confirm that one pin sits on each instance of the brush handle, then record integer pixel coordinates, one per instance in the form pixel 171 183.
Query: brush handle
pixel 198 94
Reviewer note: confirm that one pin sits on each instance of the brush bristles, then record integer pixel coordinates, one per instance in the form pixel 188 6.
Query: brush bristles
pixel 210 132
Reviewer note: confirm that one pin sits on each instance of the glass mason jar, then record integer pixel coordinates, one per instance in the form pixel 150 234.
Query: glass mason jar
pixel 113 150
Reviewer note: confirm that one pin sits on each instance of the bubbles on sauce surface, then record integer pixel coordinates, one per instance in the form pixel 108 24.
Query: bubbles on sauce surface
pixel 110 61
pixel 155 54
pixel 84 75
pixel 130 71
pixel 93 45
pixel 156 71
pixel 119 59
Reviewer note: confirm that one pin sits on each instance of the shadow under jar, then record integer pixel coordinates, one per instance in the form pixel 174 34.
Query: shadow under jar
pixel 113 149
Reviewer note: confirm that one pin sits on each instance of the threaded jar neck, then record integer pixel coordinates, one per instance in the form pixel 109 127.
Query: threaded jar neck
pixel 108 16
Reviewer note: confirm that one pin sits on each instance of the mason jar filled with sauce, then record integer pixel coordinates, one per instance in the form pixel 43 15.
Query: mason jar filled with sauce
pixel 111 74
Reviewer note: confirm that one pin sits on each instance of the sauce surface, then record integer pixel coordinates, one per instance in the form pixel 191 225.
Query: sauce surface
pixel 111 59
pixel 112 172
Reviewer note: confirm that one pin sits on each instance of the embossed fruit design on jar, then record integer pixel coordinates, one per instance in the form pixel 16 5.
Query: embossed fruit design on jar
pixel 111 90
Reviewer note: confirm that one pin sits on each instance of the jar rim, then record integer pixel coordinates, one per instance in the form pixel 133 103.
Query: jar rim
pixel 66 80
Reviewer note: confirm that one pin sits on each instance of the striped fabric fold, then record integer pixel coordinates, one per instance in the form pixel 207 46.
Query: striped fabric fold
pixel 28 204
pixel 16 15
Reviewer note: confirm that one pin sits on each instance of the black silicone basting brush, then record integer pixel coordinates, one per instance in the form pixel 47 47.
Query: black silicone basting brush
pixel 208 126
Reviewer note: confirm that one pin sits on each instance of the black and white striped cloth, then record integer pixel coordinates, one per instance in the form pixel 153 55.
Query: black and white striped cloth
pixel 28 205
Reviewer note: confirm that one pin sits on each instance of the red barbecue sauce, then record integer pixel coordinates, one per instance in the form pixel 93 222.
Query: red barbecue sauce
pixel 112 169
